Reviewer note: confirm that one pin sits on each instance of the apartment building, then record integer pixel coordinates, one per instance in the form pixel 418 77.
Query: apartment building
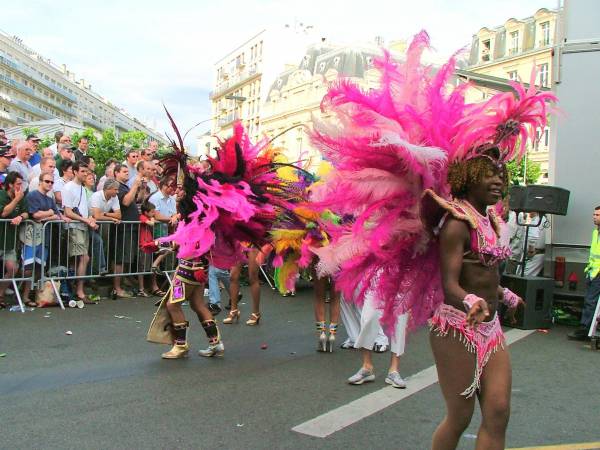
pixel 511 51
pixel 243 77
pixel 34 89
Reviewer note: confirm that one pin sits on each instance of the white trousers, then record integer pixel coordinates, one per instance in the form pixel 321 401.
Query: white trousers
pixel 351 318
pixel 370 327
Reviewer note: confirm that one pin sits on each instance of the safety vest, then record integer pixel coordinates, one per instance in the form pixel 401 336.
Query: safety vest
pixel 593 267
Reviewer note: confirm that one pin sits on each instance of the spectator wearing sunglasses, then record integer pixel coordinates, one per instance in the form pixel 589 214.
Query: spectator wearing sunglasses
pixel 41 208
pixel 46 165
pixel 132 158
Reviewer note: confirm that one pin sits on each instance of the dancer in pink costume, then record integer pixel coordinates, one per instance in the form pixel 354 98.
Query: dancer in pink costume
pixel 407 155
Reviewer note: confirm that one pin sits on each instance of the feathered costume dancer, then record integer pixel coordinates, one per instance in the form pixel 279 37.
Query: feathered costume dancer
pixel 227 200
pixel 294 236
pixel 390 146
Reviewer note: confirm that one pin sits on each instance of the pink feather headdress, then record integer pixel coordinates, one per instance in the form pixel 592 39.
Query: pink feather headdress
pixel 235 200
pixel 388 146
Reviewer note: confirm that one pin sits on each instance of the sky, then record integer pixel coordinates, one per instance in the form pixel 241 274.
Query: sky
pixel 141 54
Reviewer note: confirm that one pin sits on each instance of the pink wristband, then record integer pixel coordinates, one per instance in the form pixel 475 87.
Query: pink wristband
pixel 470 300
pixel 509 298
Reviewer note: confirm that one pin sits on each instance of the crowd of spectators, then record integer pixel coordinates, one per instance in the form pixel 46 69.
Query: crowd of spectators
pixel 96 226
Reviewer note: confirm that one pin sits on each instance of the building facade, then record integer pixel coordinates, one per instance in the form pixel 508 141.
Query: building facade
pixel 33 89
pixel 244 75
pixel 293 100
pixel 512 51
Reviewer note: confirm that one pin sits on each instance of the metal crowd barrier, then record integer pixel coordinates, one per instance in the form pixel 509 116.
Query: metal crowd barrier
pixel 56 247
pixel 12 240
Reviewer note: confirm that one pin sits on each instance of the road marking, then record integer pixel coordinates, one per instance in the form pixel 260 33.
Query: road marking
pixel 581 446
pixel 346 415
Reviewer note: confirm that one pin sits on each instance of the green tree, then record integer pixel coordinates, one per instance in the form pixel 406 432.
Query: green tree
pixel 46 142
pixel 108 147
pixel 516 171
pixel 133 139
pixel 30 130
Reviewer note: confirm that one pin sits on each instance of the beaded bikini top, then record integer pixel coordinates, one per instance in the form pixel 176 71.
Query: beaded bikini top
pixel 485 247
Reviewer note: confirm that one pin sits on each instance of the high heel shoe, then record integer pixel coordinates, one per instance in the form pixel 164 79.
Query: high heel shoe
pixel 321 337
pixel 331 338
pixel 234 314
pixel 254 319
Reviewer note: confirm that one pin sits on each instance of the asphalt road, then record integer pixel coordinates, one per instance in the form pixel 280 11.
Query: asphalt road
pixel 104 387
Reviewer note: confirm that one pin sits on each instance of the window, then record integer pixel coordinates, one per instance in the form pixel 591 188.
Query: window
pixel 485 50
pixel 545 33
pixel 512 75
pixel 543 74
pixel 514 43
pixel 546 137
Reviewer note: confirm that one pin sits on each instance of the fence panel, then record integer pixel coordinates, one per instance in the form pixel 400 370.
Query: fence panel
pixel 78 252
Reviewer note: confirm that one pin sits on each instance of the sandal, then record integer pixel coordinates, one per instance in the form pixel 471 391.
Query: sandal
pixel 142 293
pixel 158 293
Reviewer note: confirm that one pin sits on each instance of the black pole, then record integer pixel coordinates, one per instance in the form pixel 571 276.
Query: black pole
pixel 524 257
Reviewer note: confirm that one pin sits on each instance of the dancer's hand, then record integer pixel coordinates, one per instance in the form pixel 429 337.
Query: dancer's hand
pixel 478 313
pixel 510 312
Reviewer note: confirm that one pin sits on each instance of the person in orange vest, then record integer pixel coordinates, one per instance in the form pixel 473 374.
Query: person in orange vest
pixel 592 272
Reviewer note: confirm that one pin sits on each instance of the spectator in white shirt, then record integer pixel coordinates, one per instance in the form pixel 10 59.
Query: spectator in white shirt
pixel 54 147
pixel 164 200
pixel 21 163
pixel 105 207
pixel 46 165
pixel 77 209
pixel 66 175
pixel 109 172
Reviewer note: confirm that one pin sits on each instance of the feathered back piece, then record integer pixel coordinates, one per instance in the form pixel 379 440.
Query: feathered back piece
pixel 390 144
pixel 234 200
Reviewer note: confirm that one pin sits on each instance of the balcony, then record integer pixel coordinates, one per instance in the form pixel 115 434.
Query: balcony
pixel 513 51
pixel 122 125
pixel 32 109
pixel 234 80
pixel 228 119
pixel 8 116
pixel 93 123
pixel 36 77
pixel 32 93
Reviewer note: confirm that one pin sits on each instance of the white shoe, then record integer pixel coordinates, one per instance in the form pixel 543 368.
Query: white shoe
pixel 72 304
pixel 347 344
pixel 213 350
pixel 362 376
pixel 394 379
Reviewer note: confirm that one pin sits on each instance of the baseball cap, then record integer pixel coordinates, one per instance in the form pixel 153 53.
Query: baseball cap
pixel 5 150
pixel 32 137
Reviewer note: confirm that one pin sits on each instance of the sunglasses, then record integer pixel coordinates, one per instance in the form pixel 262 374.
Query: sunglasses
pixel 48 181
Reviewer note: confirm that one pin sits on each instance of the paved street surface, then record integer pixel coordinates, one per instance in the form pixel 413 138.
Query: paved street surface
pixel 104 387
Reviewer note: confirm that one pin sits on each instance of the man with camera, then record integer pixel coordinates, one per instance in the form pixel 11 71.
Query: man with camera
pixel 76 206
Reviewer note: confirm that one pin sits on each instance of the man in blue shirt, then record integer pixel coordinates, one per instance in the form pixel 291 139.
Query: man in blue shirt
pixel 34 144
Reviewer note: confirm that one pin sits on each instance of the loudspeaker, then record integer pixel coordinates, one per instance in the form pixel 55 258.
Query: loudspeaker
pixel 539 198
pixel 537 292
